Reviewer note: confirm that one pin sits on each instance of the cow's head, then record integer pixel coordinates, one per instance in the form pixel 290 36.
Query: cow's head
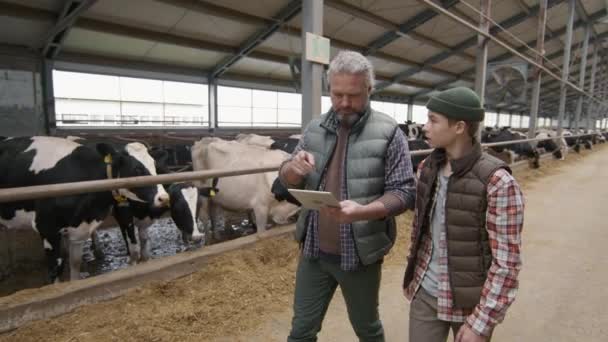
pixel 281 194
pixel 185 205
pixel 283 212
pixel 412 130
pixel 133 160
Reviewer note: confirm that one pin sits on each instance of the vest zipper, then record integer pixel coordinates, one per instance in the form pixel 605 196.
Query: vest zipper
pixel 325 161
pixel 447 238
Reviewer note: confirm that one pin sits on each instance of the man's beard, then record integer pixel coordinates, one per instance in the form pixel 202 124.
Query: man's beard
pixel 348 119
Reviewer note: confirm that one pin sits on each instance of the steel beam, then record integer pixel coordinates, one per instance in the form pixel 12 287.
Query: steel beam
pixel 54 39
pixel 508 23
pixel 556 34
pixel 395 31
pixel 482 56
pixel 48 95
pixel 282 17
pixel 565 67
pixel 537 72
pixel 590 104
pixel 581 82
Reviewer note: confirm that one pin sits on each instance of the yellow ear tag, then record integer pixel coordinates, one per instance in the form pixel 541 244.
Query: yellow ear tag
pixel 212 193
pixel 120 198
pixel 108 159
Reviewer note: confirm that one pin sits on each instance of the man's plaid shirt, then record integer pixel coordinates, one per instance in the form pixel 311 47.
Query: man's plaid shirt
pixel 399 181
pixel 504 222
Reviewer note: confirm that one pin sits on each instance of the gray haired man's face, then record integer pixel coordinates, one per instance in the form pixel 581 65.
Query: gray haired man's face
pixel 349 94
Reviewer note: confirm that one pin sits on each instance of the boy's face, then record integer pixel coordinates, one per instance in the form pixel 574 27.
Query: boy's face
pixel 440 133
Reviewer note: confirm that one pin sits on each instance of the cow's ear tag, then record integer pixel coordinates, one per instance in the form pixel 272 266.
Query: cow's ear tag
pixel 108 159
pixel 212 193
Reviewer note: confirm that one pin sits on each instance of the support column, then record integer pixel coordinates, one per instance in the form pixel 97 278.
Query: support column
pixel 565 66
pixel 410 109
pixel 482 56
pixel 48 96
pixel 537 73
pixel 212 90
pixel 312 73
pixel 602 110
pixel 581 80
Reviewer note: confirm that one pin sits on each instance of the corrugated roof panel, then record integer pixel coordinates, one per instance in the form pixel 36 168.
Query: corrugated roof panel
pixel 402 89
pixel 142 12
pixel 106 44
pixel 281 42
pixel 386 67
pixel 217 29
pixel 260 8
pixel 345 27
pixel 411 49
pixel 181 56
pixel 52 5
pixel 427 77
pixel 28 33
pixel 397 11
pixel 256 67
pixel 455 64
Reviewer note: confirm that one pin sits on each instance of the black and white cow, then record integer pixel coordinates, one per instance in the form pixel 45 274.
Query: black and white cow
pixel 415 141
pixel 134 219
pixel 516 150
pixel 285 144
pixel 71 219
pixel 557 146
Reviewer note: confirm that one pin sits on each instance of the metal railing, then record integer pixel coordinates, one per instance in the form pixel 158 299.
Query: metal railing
pixel 506 143
pixel 73 188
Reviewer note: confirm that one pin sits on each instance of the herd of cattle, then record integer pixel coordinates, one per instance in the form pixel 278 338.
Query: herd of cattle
pixel 66 223
pixel 550 142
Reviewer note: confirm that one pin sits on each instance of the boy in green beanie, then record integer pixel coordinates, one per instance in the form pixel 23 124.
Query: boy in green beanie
pixel 465 251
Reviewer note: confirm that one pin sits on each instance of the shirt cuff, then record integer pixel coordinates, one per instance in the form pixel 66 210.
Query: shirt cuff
pixel 392 203
pixel 480 323
pixel 282 179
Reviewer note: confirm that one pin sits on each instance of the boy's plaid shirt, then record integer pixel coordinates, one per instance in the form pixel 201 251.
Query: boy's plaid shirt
pixel 504 222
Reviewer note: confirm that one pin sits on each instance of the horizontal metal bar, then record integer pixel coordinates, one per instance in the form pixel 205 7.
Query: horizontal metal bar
pixel 65 189
pixel 503 143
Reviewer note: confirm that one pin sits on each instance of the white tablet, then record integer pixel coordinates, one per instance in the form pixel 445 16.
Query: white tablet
pixel 314 199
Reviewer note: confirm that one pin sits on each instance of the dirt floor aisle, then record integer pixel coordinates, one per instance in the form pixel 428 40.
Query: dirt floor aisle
pixel 563 294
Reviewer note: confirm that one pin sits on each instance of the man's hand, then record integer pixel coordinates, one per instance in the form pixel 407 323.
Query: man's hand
pixel 348 212
pixel 466 334
pixel 301 165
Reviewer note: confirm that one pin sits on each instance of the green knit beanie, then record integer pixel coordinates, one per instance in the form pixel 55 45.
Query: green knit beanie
pixel 459 103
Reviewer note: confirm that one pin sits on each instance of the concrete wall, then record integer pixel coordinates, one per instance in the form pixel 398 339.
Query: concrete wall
pixel 21 101
pixel 22 260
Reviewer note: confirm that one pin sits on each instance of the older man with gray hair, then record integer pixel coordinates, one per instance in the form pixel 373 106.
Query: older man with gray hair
pixel 361 156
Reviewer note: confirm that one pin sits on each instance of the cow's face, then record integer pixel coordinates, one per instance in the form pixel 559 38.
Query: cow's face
pixel 134 161
pixel 412 130
pixel 283 212
pixel 185 205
